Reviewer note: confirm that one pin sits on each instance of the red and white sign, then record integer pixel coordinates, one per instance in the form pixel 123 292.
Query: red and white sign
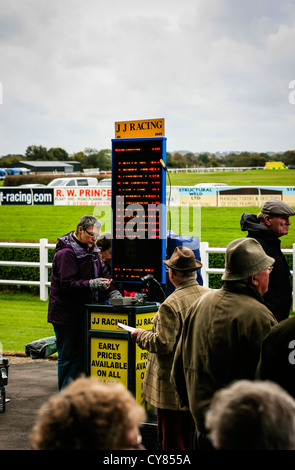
pixel 84 196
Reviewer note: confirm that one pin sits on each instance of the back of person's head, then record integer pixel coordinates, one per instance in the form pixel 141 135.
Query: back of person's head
pixel 183 263
pixel 104 241
pixel 257 415
pixel 245 257
pixel 87 415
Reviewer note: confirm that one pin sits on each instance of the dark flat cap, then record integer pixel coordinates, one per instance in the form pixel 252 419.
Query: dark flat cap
pixel 276 207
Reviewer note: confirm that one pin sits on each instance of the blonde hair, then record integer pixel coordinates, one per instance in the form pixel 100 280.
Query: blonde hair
pixel 86 415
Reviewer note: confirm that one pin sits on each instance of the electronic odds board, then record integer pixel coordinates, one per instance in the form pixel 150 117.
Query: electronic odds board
pixel 138 209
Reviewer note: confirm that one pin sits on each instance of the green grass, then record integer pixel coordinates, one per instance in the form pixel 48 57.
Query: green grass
pixel 219 225
pixel 237 178
pixel 30 223
pixel 23 319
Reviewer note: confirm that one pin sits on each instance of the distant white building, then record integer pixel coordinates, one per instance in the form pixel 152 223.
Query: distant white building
pixel 49 166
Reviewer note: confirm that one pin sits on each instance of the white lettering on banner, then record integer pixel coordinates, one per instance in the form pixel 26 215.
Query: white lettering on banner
pixel 16 196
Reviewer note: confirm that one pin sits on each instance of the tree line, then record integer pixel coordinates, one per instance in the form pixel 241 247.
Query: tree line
pixel 89 158
pixel 239 159
pixel 93 158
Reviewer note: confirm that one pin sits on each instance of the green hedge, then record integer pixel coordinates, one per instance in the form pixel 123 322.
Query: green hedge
pixel 22 254
pixel 216 260
pixel 39 178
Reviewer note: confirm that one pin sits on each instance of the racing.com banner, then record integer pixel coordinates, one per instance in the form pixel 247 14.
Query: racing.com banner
pixel 26 196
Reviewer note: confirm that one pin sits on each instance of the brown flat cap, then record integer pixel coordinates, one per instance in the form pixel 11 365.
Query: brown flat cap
pixel 183 259
pixel 276 207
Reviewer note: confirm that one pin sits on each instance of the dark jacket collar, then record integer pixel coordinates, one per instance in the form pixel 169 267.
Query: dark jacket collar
pixel 80 249
pixel 242 287
pixel 250 224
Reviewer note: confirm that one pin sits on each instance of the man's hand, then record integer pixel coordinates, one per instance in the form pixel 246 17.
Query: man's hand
pixel 134 333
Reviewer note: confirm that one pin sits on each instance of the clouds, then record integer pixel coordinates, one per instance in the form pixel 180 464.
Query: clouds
pixel 217 71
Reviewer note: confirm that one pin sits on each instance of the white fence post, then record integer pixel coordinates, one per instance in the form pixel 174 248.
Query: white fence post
pixel 43 265
pixel 43 269
pixel 204 246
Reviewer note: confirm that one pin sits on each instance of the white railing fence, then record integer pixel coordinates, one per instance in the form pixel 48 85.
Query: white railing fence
pixel 44 265
pixel 216 169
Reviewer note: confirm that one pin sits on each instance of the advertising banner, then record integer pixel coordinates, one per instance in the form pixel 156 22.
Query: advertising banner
pixel 111 354
pixel 231 196
pixel 83 196
pixel 140 129
pixel 26 196
pixel 228 196
pixel 109 359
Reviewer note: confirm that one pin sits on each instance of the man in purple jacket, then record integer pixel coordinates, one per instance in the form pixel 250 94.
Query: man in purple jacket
pixel 78 277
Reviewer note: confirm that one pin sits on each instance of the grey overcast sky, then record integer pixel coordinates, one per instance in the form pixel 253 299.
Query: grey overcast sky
pixel 219 72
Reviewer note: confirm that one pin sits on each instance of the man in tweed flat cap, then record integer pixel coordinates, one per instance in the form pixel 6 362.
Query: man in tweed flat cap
pixel 175 423
pixel 267 227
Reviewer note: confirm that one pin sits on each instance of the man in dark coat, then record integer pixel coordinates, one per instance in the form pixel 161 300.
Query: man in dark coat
pixel 278 355
pixel 223 331
pixel 267 227
pixel 78 277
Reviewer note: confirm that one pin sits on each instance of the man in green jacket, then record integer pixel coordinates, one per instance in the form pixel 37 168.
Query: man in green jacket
pixel 223 331
pixel 175 423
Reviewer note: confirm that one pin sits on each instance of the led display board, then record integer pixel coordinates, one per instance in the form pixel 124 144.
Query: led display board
pixel 138 209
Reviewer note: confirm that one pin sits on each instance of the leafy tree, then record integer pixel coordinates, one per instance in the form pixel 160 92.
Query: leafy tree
pixel 58 154
pixel 37 152
pixel 105 159
pixel 203 159
pixel 229 160
pixel 249 160
pixel 9 160
pixel 178 160
pixel 168 159
pixel 213 163
pixel 101 159
pixel 257 160
pixel 80 157
pixel 289 157
pixel 191 158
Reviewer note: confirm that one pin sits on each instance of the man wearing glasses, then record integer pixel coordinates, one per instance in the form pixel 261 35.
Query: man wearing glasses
pixel 267 227
pixel 223 332
pixel 78 277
